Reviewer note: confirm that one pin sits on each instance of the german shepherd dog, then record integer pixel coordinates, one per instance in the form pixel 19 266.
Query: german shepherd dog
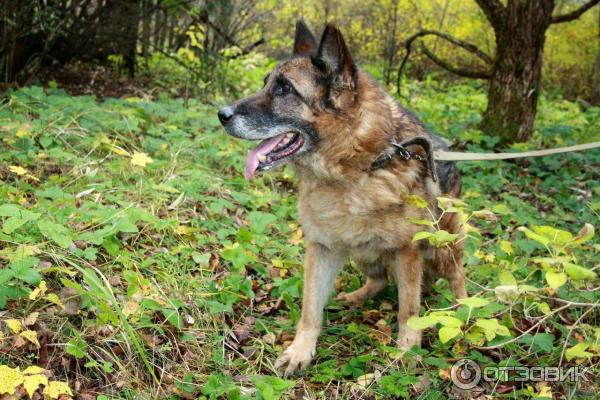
pixel 332 122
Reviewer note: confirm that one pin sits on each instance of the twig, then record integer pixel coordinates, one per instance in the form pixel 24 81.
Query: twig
pixel 526 332
pixel 571 329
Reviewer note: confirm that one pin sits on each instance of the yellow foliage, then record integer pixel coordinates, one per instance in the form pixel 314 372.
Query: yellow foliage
pixel 31 378
pixel 33 382
pixel 17 170
pixel 140 159
pixel 31 336
pixel 14 325
pixel 39 291
pixel 10 378
pixel 56 388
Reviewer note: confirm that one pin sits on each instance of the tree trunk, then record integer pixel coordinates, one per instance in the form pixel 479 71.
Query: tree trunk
pixel 517 69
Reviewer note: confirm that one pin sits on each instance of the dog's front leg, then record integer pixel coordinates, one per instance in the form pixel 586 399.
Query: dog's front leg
pixel 406 267
pixel 321 267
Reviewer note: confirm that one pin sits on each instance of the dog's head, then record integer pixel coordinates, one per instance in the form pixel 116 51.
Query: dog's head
pixel 319 79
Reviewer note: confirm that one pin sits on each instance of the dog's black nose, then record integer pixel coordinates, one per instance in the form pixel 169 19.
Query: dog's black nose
pixel 225 114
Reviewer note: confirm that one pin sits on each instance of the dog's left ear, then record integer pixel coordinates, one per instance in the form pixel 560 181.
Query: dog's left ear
pixel 305 43
pixel 336 57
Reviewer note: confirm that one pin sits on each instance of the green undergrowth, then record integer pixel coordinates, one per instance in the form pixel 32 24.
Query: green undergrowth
pixel 136 262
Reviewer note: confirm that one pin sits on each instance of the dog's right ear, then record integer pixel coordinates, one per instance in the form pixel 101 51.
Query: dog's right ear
pixel 305 43
pixel 335 58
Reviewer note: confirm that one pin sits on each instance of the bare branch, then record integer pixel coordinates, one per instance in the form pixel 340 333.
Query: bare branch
pixel 493 10
pixel 455 70
pixel 461 43
pixel 574 14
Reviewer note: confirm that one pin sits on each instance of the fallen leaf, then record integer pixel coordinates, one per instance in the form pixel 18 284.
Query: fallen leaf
pixel 10 378
pixel 39 291
pixel 31 336
pixel 383 333
pixel 14 325
pixel 33 382
pixel 54 299
pixel 31 318
pixel 17 170
pixel 57 388
pixel 140 159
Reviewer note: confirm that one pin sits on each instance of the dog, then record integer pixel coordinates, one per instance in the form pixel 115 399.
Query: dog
pixel 342 134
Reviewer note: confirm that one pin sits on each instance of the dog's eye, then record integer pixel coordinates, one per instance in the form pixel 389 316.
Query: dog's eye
pixel 283 88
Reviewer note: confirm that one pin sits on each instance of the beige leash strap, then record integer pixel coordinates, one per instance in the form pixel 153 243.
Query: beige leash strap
pixel 442 155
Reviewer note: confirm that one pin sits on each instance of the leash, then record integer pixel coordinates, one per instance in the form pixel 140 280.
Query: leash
pixel 443 155
pixel 400 150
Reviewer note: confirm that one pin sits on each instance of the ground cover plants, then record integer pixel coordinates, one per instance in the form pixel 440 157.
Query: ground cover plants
pixel 136 262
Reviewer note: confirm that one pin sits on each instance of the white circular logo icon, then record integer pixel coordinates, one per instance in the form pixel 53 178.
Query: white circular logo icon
pixel 465 374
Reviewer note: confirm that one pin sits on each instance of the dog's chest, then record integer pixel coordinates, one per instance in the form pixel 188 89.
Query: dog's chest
pixel 353 221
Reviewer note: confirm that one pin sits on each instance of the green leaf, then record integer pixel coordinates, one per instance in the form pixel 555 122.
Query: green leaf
pixel 421 235
pixel 259 221
pixel 578 351
pixel 579 273
pixel 76 347
pixel 506 278
pixel 451 322
pixel 473 302
pixel 56 232
pixel 442 237
pixel 556 279
pixel 534 236
pixel 418 323
pixel 417 221
pixel 544 341
pixel 447 332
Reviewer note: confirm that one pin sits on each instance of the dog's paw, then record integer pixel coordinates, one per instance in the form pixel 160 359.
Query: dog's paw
pixel 356 298
pixel 408 338
pixel 296 358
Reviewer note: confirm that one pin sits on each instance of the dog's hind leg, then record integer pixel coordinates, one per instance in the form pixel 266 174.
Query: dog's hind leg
pixel 320 269
pixel 406 267
pixel 376 282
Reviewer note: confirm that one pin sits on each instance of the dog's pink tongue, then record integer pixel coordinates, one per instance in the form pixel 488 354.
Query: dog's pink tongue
pixel 262 149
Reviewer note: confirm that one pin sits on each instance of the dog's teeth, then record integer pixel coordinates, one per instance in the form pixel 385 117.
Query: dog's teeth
pixel 289 136
pixel 261 157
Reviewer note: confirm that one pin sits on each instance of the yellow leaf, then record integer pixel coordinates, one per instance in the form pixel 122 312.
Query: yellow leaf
pixel 140 159
pixel 33 370
pixel 130 308
pixel 33 382
pixel 39 291
pixel 118 150
pixel 14 325
pixel 31 336
pixel 296 237
pixel 183 230
pixel 23 131
pixel 545 391
pixel 56 388
pixel 507 247
pixel 53 298
pixel 10 378
pixel 17 170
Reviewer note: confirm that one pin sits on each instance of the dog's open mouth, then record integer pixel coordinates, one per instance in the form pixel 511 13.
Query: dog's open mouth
pixel 272 151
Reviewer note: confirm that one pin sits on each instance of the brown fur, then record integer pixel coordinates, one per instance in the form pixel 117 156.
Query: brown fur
pixel 348 211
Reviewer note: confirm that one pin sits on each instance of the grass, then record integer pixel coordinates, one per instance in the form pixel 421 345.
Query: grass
pixel 166 275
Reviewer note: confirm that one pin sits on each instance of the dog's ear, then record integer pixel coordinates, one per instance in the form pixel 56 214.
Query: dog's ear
pixel 335 55
pixel 304 42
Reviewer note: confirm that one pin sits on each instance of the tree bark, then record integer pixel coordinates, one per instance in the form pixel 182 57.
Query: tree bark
pixel 514 87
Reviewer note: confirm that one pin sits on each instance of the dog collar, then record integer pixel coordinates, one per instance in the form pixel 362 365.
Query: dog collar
pixel 400 150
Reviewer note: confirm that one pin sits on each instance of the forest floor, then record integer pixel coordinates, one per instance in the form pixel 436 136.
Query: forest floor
pixel 137 263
